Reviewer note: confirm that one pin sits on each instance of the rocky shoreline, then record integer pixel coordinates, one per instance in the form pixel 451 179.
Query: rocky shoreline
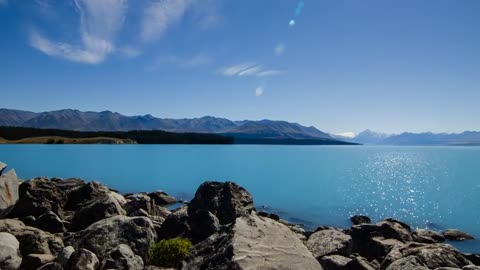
pixel 54 224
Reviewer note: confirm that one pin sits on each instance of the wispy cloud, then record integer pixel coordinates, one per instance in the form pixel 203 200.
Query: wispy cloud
pixel 279 49
pixel 347 134
pixel 259 91
pixel 159 15
pixel 195 61
pixel 100 22
pixel 249 69
pixel 3 3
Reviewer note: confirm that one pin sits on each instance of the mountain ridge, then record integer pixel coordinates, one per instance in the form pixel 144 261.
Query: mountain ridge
pixel 73 119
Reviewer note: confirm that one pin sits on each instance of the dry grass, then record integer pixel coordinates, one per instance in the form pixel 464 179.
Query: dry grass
pixel 59 140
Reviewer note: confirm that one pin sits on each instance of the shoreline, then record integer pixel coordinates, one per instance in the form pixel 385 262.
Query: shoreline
pixel 64 223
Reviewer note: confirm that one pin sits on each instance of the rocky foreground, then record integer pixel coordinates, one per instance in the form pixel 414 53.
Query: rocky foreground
pixel 54 224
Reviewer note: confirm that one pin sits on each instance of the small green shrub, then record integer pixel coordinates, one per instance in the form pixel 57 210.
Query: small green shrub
pixel 170 253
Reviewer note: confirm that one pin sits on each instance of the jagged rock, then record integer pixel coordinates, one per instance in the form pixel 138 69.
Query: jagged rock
pixel 161 198
pixel 50 222
pixel 139 213
pixel 203 224
pixel 64 255
pixel 359 219
pixel 51 266
pixel 98 209
pixel 37 197
pixel 9 252
pixel 427 236
pixel 252 242
pixel 105 235
pixel 407 263
pixel 334 262
pixel 359 263
pixel 82 259
pixel 226 201
pixel 67 185
pixel 175 225
pixel 139 201
pixel 456 235
pixel 8 191
pixel 34 261
pixel 431 255
pixel 2 167
pixel 329 242
pixel 32 240
pixel 122 258
pixel 392 228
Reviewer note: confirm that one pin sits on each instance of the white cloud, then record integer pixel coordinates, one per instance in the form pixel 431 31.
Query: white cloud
pixel 259 91
pixel 130 52
pixel 249 69
pixel 279 49
pixel 100 21
pixel 291 23
pixel 347 134
pixel 161 14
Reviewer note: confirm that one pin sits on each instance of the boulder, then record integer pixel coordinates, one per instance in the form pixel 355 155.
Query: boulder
pixel 359 219
pixel 175 225
pixel 431 255
pixel 161 198
pixel 135 202
pixel 329 242
pixel 252 242
pixel 64 255
pixel 8 192
pixel 226 201
pixel 474 258
pixel 369 241
pixel 203 224
pixel 32 240
pixel 67 185
pixel 51 266
pixel 95 210
pixel 10 258
pixel 359 263
pixel 407 263
pixel 86 194
pixel 456 235
pixel 334 262
pixel 121 258
pixel 392 228
pixel 471 267
pixel 34 261
pixel 2 167
pixel 105 235
pixel 38 197
pixel 82 259
pixel 269 215
pixel 50 222
pixel 427 236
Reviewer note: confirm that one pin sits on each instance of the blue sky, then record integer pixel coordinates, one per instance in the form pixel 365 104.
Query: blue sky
pixel 345 65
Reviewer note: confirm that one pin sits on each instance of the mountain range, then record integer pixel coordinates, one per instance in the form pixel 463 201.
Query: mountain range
pixel 407 138
pixel 69 119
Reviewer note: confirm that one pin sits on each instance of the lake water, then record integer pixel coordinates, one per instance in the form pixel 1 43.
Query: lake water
pixel 427 187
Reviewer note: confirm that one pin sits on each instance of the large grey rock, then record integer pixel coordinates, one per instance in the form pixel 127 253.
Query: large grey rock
pixel 38 197
pixel 32 240
pixel 408 263
pixel 392 228
pixel 122 258
pixel 334 262
pixel 359 219
pixel 252 242
pixel 431 255
pixel 175 225
pixel 456 235
pixel 226 201
pixel 161 198
pixel 203 224
pixel 105 235
pixel 139 201
pixel 2 167
pixel 10 258
pixel 8 192
pixel 82 259
pixel 329 242
pixel 427 236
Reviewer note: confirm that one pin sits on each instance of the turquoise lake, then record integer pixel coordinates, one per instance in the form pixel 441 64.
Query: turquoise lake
pixel 427 187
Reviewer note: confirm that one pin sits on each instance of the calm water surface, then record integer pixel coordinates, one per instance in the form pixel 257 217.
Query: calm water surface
pixel 428 187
